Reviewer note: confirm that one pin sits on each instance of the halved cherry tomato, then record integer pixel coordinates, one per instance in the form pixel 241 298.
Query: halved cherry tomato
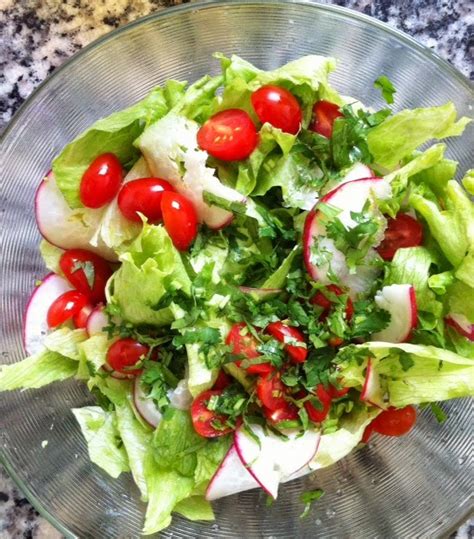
pixel 395 421
pixel 207 422
pixel 369 429
pixel 336 393
pixel 124 354
pixel 283 333
pixel 87 272
pixel 143 195
pixel 315 414
pixel 289 412
pixel 229 135
pixel 80 318
pixel 403 231
pixel 243 343
pixel 223 380
pixel 323 301
pixel 101 181
pixel 65 307
pixel 324 114
pixel 180 219
pixel 271 392
pixel 278 107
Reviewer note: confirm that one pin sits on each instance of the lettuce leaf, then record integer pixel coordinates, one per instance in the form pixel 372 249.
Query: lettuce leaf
pixel 460 298
pixel 103 440
pixel 151 268
pixel 51 255
pixel 92 355
pixel 195 508
pixel 65 341
pixel 399 135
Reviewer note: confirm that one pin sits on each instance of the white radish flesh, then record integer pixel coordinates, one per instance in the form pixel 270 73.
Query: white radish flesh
pixel 372 391
pixel 145 406
pixel 461 324
pixel 97 322
pixel 400 301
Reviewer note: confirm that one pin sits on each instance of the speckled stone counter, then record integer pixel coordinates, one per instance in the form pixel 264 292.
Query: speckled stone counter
pixel 36 36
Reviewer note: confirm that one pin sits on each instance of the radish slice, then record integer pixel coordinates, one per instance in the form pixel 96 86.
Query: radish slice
pixel 400 301
pixel 180 397
pixel 35 326
pixel 260 293
pixel 64 227
pixel 372 391
pixel 461 324
pixel 230 478
pixel 97 321
pixel 358 172
pixel 145 406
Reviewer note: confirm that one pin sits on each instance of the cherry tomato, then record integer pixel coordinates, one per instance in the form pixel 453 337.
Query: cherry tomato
pixel 229 135
pixel 315 414
pixel 101 181
pixel 283 333
pixel 87 272
pixel 65 307
pixel 271 392
pixel 243 343
pixel 207 422
pixel 369 429
pixel 289 412
pixel 395 422
pixel 180 219
pixel 323 301
pixel 336 393
pixel 324 114
pixel 403 231
pixel 278 107
pixel 144 196
pixel 222 381
pixel 80 318
pixel 124 354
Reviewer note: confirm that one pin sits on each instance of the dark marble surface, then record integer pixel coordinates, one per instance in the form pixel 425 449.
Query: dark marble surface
pixel 36 36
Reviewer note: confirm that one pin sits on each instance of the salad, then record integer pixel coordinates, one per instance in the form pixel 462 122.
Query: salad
pixel 253 274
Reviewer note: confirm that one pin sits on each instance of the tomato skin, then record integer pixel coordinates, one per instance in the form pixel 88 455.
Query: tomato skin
pixel 65 307
pixel 68 263
pixel 336 393
pixel 143 195
pixel 325 398
pixel 203 418
pixel 229 135
pixel 281 332
pixel 289 412
pixel 223 380
pixel 324 114
pixel 80 318
pixel 395 422
pixel 101 181
pixel 246 345
pixel 278 107
pixel 271 392
pixel 180 219
pixel 321 300
pixel 126 353
pixel 369 430
pixel 403 231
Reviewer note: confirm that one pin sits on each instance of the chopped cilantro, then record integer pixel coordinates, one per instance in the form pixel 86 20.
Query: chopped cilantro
pixel 308 498
pixel 440 415
pixel 406 361
pixel 384 84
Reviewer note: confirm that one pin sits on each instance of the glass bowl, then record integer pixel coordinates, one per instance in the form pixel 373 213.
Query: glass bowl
pixel 417 486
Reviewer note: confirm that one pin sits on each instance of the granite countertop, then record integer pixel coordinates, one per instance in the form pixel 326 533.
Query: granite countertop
pixel 36 36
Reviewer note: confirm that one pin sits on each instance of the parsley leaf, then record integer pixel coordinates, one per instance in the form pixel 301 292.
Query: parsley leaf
pixel 384 84
pixel 438 412
pixel 308 498
pixel 406 361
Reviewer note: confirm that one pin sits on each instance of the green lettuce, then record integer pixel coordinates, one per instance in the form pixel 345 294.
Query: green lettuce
pixel 115 133
pixel 460 298
pixel 468 181
pixel 92 355
pixel 51 255
pixel 103 440
pixel 65 341
pixel 195 508
pixel 399 135
pixel 151 268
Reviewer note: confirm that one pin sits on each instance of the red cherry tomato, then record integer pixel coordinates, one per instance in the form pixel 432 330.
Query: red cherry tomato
pixel 323 301
pixel 289 412
pixel 144 196
pixel 271 392
pixel 229 135
pixel 124 354
pixel 207 422
pixel 395 422
pixel 336 393
pixel 180 219
pixel 101 181
pixel 223 380
pixel 65 307
pixel 315 414
pixel 367 433
pixel 324 114
pixel 278 107
pixel 87 272
pixel 283 333
pixel 243 343
pixel 80 318
pixel 403 231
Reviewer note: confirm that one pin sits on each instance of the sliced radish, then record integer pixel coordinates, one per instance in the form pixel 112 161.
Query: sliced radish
pixel 230 478
pixel 64 227
pixel 97 321
pixel 359 171
pixel 400 301
pixel 180 397
pixel 461 324
pixel 145 406
pixel 372 391
pixel 35 326
pixel 260 293
pixel 348 197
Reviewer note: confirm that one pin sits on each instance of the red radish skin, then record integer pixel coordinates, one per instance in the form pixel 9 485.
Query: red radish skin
pixel 35 325
pixel 400 301
pixel 371 392
pixel 461 324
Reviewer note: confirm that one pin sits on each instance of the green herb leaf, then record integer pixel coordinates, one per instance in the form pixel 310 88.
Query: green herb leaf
pixel 438 412
pixel 88 268
pixel 308 498
pixel 384 84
